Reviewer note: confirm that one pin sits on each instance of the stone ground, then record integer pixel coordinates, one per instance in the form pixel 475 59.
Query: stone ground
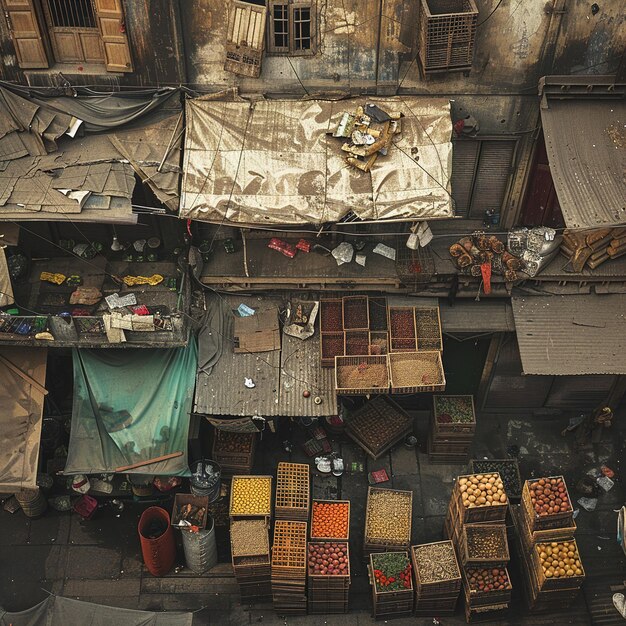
pixel 100 560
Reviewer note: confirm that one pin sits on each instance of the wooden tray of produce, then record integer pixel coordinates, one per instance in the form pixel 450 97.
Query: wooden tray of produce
pixel 378 425
pixel 547 504
pixel 483 545
pixel 251 496
pixel 356 315
pixel 388 517
pixel 234 450
pixel 508 470
pixel 331 315
pixel 454 414
pixel 249 537
pixel 336 571
pixel 486 586
pixel 416 372
pixel 359 375
pixel 428 329
pixel 472 506
pixel 557 565
pixel 330 520
pixel 436 569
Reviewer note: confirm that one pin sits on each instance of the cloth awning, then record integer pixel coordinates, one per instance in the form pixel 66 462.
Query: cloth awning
pixel 562 335
pixel 586 146
pixel 274 162
pixel 130 407
pixel 59 610
pixel 22 377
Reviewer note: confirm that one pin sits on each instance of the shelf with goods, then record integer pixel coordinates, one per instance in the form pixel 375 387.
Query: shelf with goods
pixel 289 567
pixel 250 554
pixel 293 491
pixel 388 520
pixel 328 577
pixel 437 578
pixel 392 584
pixel 234 451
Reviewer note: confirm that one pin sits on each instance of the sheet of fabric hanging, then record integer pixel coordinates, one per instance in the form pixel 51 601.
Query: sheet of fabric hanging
pixel 131 407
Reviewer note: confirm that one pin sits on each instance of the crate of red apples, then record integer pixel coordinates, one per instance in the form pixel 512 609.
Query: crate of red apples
pixel 487 586
pixel 547 503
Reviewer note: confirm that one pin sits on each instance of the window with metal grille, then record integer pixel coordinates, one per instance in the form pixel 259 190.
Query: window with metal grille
pixel 481 169
pixel 291 27
pixel 71 13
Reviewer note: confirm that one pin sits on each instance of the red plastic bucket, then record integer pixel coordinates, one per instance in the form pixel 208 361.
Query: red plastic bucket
pixel 158 548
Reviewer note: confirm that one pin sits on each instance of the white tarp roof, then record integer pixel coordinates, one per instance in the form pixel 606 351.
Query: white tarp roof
pixel 273 162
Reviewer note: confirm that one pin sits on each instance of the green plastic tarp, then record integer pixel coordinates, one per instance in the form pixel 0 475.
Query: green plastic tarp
pixel 131 406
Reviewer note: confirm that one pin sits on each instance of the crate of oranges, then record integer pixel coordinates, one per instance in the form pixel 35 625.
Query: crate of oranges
pixel 330 520
pixel 251 496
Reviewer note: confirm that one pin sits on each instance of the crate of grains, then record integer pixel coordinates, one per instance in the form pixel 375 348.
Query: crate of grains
pixel 378 313
pixel 330 520
pixel 357 342
pixel 357 375
pixel 428 329
pixel 378 425
pixel 356 313
pixel 473 506
pixel 416 372
pixel 483 545
pixel 454 414
pixel 388 519
pixel 331 315
pixel 391 579
pixel 331 345
pixel 292 491
pixel 251 496
pixel 250 538
pixel 508 470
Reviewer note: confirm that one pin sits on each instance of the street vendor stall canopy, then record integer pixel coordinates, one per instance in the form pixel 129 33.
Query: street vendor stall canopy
pixel 564 335
pixel 131 411
pixel 584 125
pixel 22 380
pixel 276 162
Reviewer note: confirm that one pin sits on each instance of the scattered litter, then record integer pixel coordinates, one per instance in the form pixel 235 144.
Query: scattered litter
pixel 80 484
pixel 115 301
pixel 605 482
pixel 249 383
pixel 11 505
pixel 607 471
pixel 594 473
pixel 360 259
pixel 575 513
pixel 619 602
pixel 589 504
pixel 283 247
pixel 245 311
pixel 343 253
pixel 385 251
pixel 304 245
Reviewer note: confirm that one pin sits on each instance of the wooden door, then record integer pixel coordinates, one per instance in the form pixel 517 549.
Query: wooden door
pixel 110 19
pixel 26 34
pixel 245 39
pixel 73 30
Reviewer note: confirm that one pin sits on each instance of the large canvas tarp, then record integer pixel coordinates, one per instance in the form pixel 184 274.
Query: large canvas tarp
pixel 274 162
pixel 21 408
pixel 57 611
pixel 131 406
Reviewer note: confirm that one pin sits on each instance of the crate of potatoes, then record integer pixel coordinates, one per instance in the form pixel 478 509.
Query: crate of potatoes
pixel 481 498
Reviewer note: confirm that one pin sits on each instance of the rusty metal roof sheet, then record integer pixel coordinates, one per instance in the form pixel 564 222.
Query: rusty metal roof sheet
pixel 273 162
pixel 562 335
pixel 586 145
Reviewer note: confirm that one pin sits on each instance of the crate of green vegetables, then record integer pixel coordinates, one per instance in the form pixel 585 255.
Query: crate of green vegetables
pixel 392 583
pixel 454 414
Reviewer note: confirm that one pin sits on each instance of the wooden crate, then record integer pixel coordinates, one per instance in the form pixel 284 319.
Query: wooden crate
pixel 387 604
pixel 359 375
pixel 512 481
pixel 470 559
pixel 380 415
pixel 416 372
pixel 427 588
pixel 264 508
pixel 378 313
pixel 356 343
pixel 453 428
pixel 486 614
pixel 379 342
pixel 331 315
pixel 289 557
pixel 234 462
pixel 356 314
pixel 399 316
pixel 293 491
pixel 546 522
pixel 547 584
pixel 428 329
pixel 343 504
pixel 493 513
pixel 331 345
pixel 334 581
pixel 257 542
pixel 184 499
pixel 377 496
pixel 530 537
pixel 477 598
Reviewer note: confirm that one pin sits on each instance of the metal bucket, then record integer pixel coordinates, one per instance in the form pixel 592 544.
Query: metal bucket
pixel 32 501
pixel 200 548
pixel 158 552
pixel 206 479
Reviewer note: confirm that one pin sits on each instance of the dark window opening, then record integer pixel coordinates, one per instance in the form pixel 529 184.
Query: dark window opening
pixel 71 14
pixel 302 28
pixel 260 3
pixel 281 26
pixel 291 28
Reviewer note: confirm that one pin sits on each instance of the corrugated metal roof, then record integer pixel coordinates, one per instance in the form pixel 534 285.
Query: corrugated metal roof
pixel 274 162
pixel 486 316
pixel 559 335
pixel 586 145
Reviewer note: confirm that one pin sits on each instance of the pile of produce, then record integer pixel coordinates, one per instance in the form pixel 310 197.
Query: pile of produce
pixel 486 542
pixel 560 559
pixel 355 313
pixel 388 516
pixel 508 472
pixel 329 559
pixel 482 490
pixel 436 562
pixel 454 409
pixel 251 496
pixel 487 579
pixel 549 496
pixel 330 520
pixel 249 537
pixel 234 443
pixel 392 571
pixel 367 374
pixel 331 316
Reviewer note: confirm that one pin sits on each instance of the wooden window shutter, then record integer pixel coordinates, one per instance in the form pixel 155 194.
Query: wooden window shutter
pixel 246 36
pixel 464 162
pixel 492 176
pixel 113 32
pixel 26 34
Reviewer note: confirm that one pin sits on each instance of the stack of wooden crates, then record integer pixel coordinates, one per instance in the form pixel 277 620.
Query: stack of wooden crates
pixel 289 567
pixel 293 491
pixel 389 604
pixel 467 528
pixel 536 534
pixel 452 429
pixel 234 451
